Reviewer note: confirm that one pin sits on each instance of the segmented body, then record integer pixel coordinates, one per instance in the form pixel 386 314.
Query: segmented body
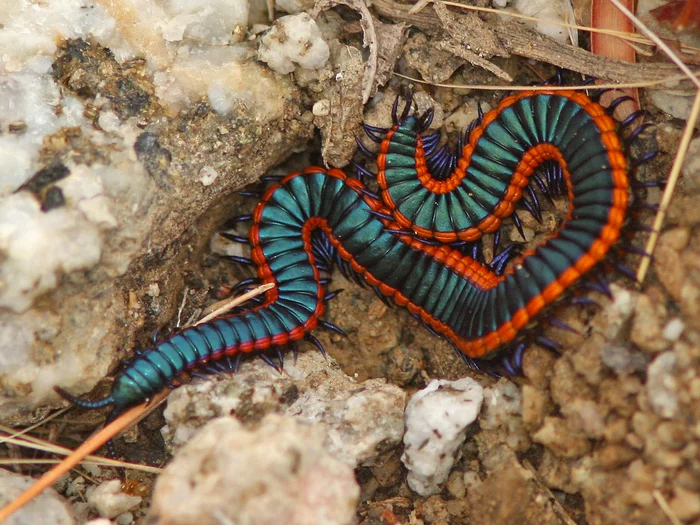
pixel 454 294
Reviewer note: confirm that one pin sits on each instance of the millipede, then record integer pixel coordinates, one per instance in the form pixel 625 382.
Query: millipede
pixel 413 231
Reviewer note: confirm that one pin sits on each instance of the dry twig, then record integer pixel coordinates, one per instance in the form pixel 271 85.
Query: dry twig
pixel 522 41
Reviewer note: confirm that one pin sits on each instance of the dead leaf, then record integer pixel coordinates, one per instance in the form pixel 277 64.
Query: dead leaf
pixel 341 123
pixel 370 38
pixel 391 38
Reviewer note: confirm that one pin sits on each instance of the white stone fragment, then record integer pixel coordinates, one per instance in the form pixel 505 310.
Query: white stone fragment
pixel 679 106
pixel 662 387
pixel 294 6
pixel 37 246
pixel 674 329
pixel 99 521
pixel 359 420
pixel 207 175
pixel 18 336
pixel 161 32
pixel 560 11
pixel 111 200
pixel 294 40
pixel 31 30
pixel 109 500
pixel 84 189
pixel 619 312
pixel 32 99
pixel 277 473
pixel 322 108
pixel 208 21
pixel 226 77
pixel 47 509
pixel 437 418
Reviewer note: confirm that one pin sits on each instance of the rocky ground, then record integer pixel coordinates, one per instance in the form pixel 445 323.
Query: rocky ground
pixel 123 140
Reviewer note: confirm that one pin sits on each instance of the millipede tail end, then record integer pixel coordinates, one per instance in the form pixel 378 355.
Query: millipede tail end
pixel 107 401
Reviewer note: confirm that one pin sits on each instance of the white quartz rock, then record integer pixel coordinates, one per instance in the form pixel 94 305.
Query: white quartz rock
pixel 437 418
pixel 108 499
pixel 547 11
pixel 293 6
pixel 209 21
pixel 294 40
pixel 38 246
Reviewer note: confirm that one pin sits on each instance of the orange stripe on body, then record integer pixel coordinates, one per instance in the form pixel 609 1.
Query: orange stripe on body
pixel 464 266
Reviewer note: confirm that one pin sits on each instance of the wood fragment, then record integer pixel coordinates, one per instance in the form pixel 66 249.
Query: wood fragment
pixel 344 94
pixel 369 36
pixel 470 31
pixel 470 39
pixel 390 39
pixel 471 57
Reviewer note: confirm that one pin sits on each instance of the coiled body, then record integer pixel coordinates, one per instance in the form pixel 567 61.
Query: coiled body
pixel 454 294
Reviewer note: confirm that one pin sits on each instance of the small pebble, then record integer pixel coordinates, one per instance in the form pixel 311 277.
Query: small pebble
pixel 674 329
pixel 109 501
pixel 17 127
pixel 322 108
pixel 662 386
pixel 207 175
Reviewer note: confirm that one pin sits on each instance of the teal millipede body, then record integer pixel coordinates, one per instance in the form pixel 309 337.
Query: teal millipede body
pixel 405 242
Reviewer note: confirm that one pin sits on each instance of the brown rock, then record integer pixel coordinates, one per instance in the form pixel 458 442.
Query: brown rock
pixel 648 324
pixel 585 416
pixel 616 430
pixel 667 260
pixel 620 395
pixel 672 434
pixel 567 384
pixel 538 365
pixel 556 435
pixel 555 472
pixel 685 505
pixel 523 503
pixel 536 405
pixel 586 360
pixel 614 456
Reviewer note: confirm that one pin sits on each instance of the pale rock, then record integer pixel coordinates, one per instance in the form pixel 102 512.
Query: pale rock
pixel 47 509
pixel 294 6
pixel 294 40
pixel 278 472
pixel 109 500
pixel 69 255
pixel 204 21
pixel 560 11
pixel 437 419
pixel 38 245
pixel 662 385
pixel 360 421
